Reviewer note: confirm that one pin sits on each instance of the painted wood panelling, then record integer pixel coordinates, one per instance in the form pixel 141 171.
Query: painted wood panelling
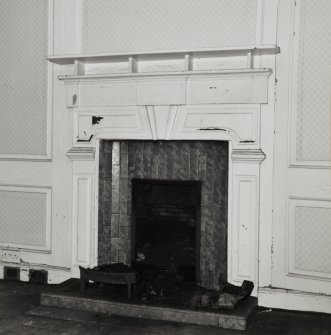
pixel 244 222
pixel 25 215
pixel 309 241
pixel 112 26
pixel 82 219
pixel 301 187
pixel 26 37
pixel 240 122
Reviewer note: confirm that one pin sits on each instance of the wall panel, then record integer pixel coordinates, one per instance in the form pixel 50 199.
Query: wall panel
pixel 25 217
pixel 301 188
pixel 23 77
pixel 123 26
pixel 314 82
pixel 310 237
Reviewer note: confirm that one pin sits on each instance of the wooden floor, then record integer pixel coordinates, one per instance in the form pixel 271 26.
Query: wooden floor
pixel 21 313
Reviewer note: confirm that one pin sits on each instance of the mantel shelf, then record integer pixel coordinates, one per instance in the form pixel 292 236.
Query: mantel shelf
pixel 232 72
pixel 90 58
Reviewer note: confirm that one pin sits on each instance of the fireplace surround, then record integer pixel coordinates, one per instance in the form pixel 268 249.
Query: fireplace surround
pixel 207 106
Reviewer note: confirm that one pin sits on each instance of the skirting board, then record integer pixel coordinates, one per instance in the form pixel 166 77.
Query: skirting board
pixel 55 275
pixel 294 300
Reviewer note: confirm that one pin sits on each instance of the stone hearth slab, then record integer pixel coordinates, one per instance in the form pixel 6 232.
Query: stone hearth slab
pixel 67 297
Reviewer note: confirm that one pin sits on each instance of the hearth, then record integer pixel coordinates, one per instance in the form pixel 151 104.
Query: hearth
pixel 114 301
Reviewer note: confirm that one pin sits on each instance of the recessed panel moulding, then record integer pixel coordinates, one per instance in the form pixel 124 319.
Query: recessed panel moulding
pixel 204 161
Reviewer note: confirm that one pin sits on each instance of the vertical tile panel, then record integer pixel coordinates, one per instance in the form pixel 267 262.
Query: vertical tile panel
pixel 177 160
pixel 185 158
pixel 170 160
pixel 194 160
pixel 162 160
pixel 139 160
pixel 154 166
pixel 147 159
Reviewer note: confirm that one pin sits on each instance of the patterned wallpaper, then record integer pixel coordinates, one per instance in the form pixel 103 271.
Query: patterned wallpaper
pixel 313 239
pixel 23 218
pixel 126 25
pixel 23 77
pixel 314 82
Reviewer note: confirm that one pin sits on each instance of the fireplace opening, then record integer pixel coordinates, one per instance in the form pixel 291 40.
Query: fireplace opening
pixel 165 233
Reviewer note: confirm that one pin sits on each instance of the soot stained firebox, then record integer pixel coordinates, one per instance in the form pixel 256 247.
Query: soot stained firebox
pixel 166 227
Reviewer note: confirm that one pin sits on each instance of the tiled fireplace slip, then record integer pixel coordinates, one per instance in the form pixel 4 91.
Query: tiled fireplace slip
pixel 205 161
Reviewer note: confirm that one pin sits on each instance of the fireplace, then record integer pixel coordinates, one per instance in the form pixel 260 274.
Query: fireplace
pixel 185 125
pixel 163 206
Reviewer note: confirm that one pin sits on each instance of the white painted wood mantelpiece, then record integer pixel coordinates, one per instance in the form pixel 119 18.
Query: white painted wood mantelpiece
pixel 130 105
pixel 218 104
pixel 248 50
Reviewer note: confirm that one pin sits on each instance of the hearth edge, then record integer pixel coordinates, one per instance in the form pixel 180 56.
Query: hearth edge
pixel 198 317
